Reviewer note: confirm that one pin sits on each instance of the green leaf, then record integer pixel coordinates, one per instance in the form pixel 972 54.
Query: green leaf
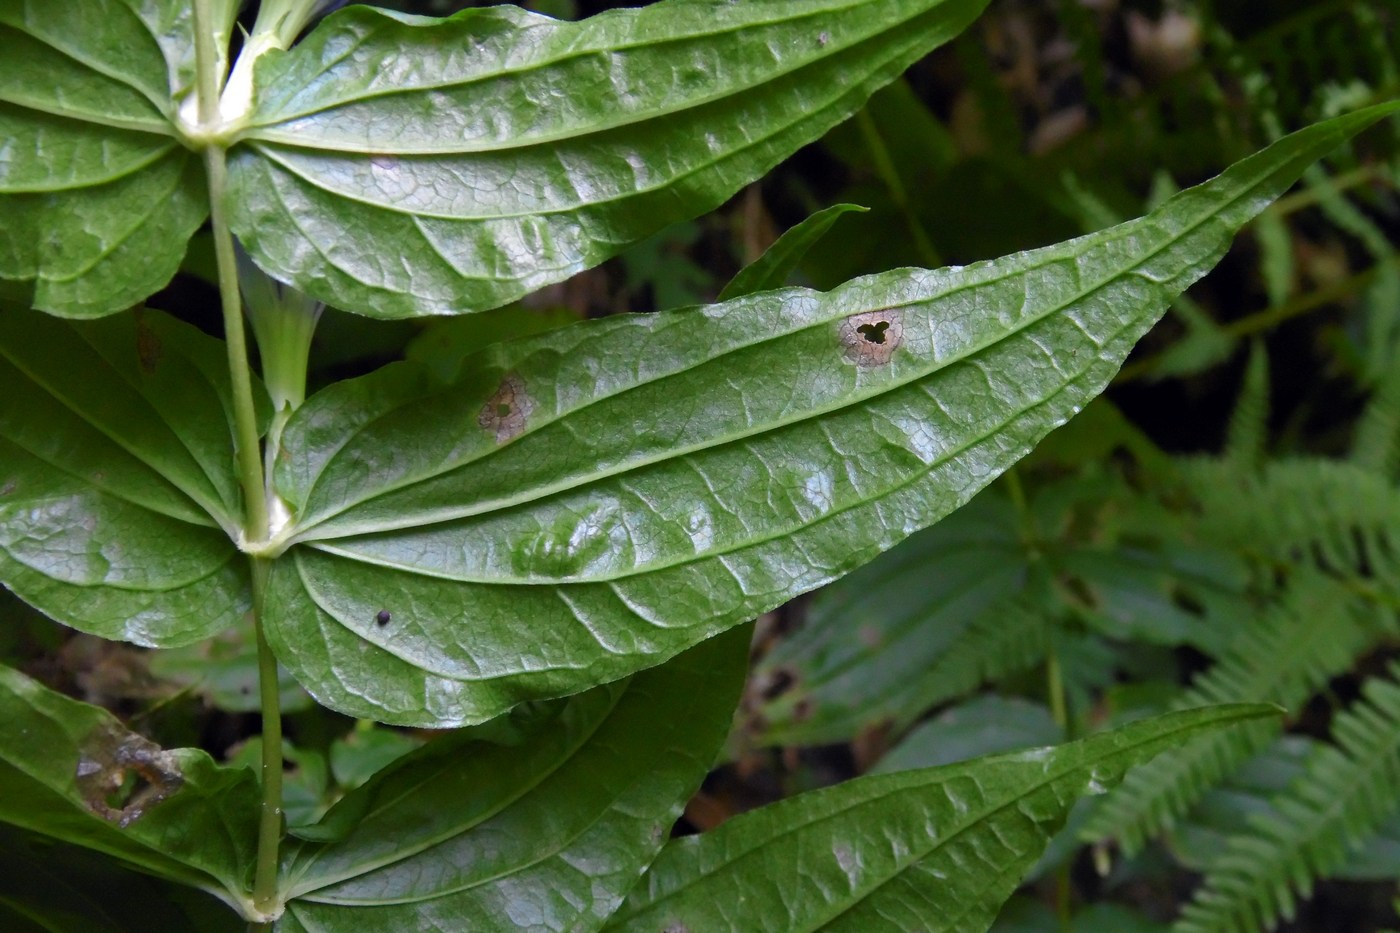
pixel 50 888
pixel 933 849
pixel 117 491
pixel 634 485
pixel 62 770
pixel 98 194
pixel 771 270
pixel 547 835
pixel 399 165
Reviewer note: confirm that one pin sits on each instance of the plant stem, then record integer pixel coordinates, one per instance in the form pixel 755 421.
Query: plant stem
pixel 248 457
pixel 245 425
pixel 270 820
pixel 206 57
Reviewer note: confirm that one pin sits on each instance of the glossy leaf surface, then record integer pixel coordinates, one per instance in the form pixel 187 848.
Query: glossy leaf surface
pixel 634 485
pixel 98 194
pixel 62 768
pixel 549 834
pixel 932 849
pixel 117 492
pixel 399 166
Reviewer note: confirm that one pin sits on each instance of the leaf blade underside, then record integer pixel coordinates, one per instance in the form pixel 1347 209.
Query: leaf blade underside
pixel 636 484
pixel 99 196
pixel 931 849
pixel 117 491
pixel 391 173
pixel 549 834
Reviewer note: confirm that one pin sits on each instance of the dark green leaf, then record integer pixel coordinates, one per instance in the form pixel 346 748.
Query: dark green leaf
pixel 633 485
pixel 934 849
pixel 98 194
pixel 772 269
pixel 398 165
pixel 117 491
pixel 546 835
pixel 46 887
pixel 63 765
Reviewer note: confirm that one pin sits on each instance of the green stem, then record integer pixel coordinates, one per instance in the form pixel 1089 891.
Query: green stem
pixel 270 821
pixel 248 457
pixel 245 425
pixel 206 56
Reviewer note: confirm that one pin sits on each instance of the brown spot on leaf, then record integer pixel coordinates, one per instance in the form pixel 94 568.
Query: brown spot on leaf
pixel 122 775
pixel 506 412
pixel 870 338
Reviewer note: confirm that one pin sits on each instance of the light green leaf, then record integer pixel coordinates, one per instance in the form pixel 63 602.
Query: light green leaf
pixel 98 194
pixel 772 269
pixel 399 165
pixel 546 835
pixel 117 491
pixel 62 766
pixel 932 849
pixel 632 486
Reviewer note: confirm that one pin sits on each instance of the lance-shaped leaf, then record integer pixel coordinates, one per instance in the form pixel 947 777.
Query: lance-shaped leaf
pixel 932 849
pixel 591 501
pixel 397 165
pixel 98 193
pixel 64 772
pixel 550 834
pixel 772 269
pixel 117 491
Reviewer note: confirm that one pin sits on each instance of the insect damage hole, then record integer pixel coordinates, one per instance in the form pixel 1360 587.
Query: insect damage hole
pixel 870 338
pixel 122 775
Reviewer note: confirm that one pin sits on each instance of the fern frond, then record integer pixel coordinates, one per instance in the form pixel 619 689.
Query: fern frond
pixel 1342 797
pixel 1376 447
pixel 1309 636
pixel 1004 638
pixel 1331 516
pixel 1248 431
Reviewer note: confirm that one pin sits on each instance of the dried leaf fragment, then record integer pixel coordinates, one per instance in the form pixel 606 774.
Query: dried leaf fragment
pixel 106 757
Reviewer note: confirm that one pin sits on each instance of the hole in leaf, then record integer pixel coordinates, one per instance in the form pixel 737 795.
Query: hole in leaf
pixel 870 338
pixel 874 333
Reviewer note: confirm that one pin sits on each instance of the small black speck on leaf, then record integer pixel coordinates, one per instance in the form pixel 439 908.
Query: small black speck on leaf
pixel 383 617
